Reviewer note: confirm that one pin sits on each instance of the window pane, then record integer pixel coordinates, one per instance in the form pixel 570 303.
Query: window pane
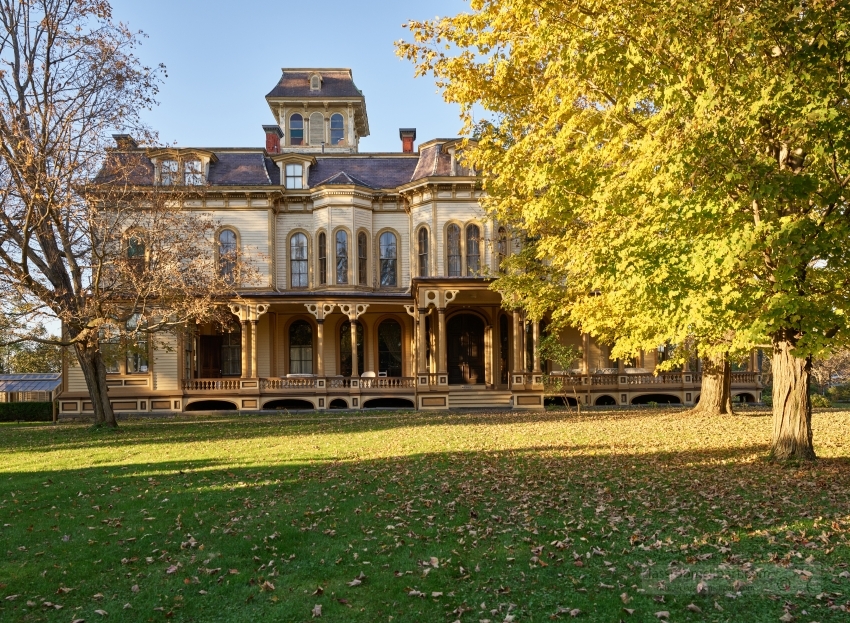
pixel 423 252
pixel 341 257
pixel 227 254
pixel 502 247
pixel 300 348
pixel 473 255
pixel 337 129
pixel 361 258
pixel 388 259
pixel 231 352
pixel 168 172
pixel 298 260
pixel 294 176
pixel 389 348
pixel 137 347
pixel 192 173
pixel 296 130
pixel 323 259
pixel 453 233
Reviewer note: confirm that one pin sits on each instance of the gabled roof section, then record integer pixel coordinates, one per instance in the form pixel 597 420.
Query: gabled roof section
pixel 343 178
pixel 295 82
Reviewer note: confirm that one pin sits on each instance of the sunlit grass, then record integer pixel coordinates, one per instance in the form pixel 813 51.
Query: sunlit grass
pixel 530 515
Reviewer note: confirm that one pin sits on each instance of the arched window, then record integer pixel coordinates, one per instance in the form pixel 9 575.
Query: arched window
pixel 323 258
pixel 341 257
pixel 337 129
pixel 453 250
pixel 136 253
pixel 298 260
pixel 473 250
pixel 315 83
pixel 296 129
pixel 300 348
pixel 317 128
pixel 389 348
pixel 345 348
pixel 501 247
pixel 362 245
pixel 227 254
pixel 389 259
pixel 423 252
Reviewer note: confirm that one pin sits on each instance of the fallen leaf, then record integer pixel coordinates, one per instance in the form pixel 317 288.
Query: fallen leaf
pixel 171 569
pixel 693 608
pixel 629 610
pixel 662 614
pixel 575 612
pixel 135 588
pixel 787 617
pixel 317 611
pixel 355 582
pixel 319 591
pixel 266 586
pixel 435 594
pixel 102 613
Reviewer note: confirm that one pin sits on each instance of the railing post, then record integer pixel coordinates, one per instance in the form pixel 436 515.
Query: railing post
pixel 244 362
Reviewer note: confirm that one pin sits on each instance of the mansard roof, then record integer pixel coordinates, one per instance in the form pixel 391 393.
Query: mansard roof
pixel 436 161
pixel 371 171
pixel 240 169
pixel 296 83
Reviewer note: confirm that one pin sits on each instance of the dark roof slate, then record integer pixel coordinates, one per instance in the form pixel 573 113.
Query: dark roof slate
pixel 296 83
pixel 434 161
pixel 240 169
pixel 372 172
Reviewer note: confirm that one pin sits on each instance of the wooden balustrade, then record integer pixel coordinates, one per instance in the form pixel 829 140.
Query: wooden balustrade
pixel 211 384
pixel 288 383
pixel 388 382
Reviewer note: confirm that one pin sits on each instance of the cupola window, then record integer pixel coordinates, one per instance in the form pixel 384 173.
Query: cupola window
pixel 337 129
pixel 296 129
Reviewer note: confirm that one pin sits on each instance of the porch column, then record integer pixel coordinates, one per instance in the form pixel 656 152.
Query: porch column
pixel 320 346
pixel 272 345
pixel 518 356
pixel 244 348
pixel 488 355
pixel 585 353
pixel 253 349
pixel 621 367
pixel 536 337
pixel 421 342
pixel 442 357
pixel 354 370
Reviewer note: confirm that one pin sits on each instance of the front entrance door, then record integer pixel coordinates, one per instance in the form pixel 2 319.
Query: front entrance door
pixel 210 356
pixel 465 349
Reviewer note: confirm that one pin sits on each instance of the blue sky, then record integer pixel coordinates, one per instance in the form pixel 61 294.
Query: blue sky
pixel 223 57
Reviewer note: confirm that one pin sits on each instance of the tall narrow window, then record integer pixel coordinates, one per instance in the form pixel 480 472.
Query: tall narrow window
pixel 294 176
pixel 423 252
pixel 317 128
pixel 362 242
pixel 341 257
pixel 136 253
pixel 168 173
pixel 504 348
pixel 345 348
pixel 473 250
pixel 389 348
pixel 453 250
pixel 300 348
pixel 227 254
pixel 192 175
pixel 298 260
pixel 337 129
pixel 501 248
pixel 110 347
pixel 323 259
pixel 389 259
pixel 231 351
pixel 296 129
pixel 137 347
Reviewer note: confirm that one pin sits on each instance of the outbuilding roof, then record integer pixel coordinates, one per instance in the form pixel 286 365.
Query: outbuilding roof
pixel 30 382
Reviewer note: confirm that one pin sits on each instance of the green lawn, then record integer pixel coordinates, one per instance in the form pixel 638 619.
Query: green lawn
pixel 471 517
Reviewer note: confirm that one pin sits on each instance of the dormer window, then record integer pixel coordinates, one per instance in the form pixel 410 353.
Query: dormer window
pixel 168 173
pixel 315 83
pixel 294 176
pixel 192 173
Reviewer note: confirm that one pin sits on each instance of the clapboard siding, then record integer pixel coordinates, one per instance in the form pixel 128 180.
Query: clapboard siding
pixel 166 358
pixel 76 380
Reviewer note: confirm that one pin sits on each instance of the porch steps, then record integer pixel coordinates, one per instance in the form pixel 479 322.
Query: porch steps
pixel 479 399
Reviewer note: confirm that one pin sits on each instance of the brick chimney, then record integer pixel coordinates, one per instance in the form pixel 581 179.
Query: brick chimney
pixel 125 142
pixel 273 136
pixel 407 135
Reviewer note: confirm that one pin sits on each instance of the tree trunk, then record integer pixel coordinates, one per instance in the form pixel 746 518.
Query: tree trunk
pixel 716 392
pixel 94 371
pixel 792 408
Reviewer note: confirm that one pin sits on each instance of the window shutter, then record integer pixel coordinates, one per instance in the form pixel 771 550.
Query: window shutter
pixel 317 128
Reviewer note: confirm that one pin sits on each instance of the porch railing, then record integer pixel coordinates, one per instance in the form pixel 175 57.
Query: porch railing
pixel 388 382
pixel 288 383
pixel 211 384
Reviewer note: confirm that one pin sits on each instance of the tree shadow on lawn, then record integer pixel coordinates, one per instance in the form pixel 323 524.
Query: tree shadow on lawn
pixel 436 535
pixel 199 429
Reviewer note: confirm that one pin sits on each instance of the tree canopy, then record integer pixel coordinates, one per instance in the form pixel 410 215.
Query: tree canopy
pixel 679 167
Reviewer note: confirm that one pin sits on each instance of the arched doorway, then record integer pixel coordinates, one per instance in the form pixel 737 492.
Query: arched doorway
pixel 465 349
